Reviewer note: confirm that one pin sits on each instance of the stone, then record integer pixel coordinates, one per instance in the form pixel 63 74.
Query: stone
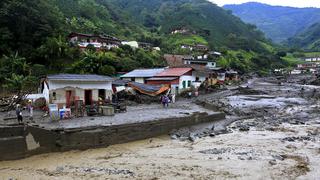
pixel 244 128
pixel 278 157
pixel 213 151
pixel 60 169
pixel 174 136
pixel 192 137
pixel 273 162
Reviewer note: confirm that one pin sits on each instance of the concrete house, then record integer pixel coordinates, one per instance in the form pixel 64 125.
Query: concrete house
pixel 100 42
pixel 203 68
pixel 178 79
pixel 65 89
pixel 132 44
pixel 140 75
pixel 201 60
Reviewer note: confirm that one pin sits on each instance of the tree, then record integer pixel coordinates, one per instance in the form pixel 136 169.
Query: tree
pixel 107 70
pixel 14 63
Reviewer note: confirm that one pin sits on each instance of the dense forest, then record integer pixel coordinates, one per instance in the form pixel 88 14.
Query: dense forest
pixel 308 40
pixel 34 36
pixel 277 22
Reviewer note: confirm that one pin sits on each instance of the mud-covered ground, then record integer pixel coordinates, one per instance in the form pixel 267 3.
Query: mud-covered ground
pixel 274 134
pixel 134 114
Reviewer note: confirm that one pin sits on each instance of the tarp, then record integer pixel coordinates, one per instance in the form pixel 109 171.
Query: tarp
pixel 151 90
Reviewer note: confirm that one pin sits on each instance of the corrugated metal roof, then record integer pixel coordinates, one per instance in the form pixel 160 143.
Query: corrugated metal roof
pixel 79 77
pixel 120 82
pixel 143 73
pixel 173 72
pixel 162 78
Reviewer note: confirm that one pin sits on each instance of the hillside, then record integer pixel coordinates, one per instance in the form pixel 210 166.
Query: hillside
pixel 308 39
pixel 34 35
pixel 146 20
pixel 209 20
pixel 278 23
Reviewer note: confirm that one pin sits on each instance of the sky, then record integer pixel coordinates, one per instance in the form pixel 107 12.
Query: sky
pixel 292 3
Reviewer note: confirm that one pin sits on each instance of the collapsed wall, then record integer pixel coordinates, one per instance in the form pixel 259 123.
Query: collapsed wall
pixel 20 142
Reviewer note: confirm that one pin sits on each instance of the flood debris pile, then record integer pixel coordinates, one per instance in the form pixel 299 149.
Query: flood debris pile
pixel 135 92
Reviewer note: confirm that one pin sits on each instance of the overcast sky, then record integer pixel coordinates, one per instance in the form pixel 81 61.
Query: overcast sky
pixel 292 3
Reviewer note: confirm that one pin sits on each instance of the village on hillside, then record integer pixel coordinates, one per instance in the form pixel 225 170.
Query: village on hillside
pixel 65 96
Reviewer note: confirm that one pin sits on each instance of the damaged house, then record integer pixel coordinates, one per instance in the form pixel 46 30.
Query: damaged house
pixel 179 79
pixel 65 89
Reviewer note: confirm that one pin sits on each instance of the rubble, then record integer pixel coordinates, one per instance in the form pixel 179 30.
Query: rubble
pixel 215 151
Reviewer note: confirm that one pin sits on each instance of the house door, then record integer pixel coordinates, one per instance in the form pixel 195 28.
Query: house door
pixel 88 97
pixel 68 98
pixel 177 90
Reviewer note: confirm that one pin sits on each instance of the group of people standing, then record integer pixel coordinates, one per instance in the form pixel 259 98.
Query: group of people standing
pixel 166 99
pixel 19 110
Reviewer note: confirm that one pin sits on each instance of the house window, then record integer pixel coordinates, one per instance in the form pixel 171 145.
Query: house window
pixel 197 79
pixel 189 83
pixel 133 79
pixel 183 84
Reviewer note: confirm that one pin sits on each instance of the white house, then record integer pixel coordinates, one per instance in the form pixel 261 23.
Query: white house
pixel 133 44
pixel 140 75
pixel 201 60
pixel 65 89
pixel 179 79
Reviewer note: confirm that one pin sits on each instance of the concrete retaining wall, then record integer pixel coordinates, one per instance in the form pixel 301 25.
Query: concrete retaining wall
pixel 20 142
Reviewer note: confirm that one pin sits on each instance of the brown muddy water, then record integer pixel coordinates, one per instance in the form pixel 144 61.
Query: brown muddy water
pixel 254 154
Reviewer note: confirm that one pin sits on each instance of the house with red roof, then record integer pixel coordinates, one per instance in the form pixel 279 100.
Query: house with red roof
pixel 179 79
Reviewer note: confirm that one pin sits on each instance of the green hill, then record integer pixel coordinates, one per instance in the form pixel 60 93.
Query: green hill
pixel 208 20
pixel 37 30
pixel 278 23
pixel 308 39
pixel 143 20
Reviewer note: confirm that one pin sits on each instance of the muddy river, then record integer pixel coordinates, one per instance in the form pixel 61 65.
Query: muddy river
pixel 275 135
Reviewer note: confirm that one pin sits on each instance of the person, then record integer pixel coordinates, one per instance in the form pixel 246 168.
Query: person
pixel 30 109
pixel 196 93
pixel 166 100
pixel 163 100
pixel 19 114
pixel 173 98
pixel 189 94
